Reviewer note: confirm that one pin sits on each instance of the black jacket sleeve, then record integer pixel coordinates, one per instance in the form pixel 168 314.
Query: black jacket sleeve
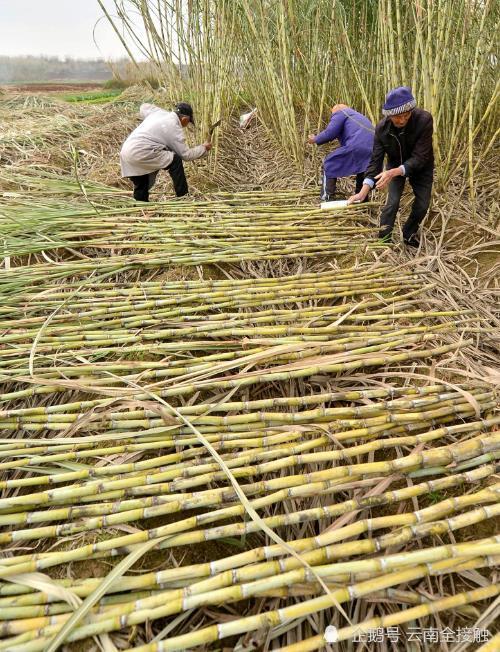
pixel 422 154
pixel 377 160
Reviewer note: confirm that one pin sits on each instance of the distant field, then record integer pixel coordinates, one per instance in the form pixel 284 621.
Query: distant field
pixel 88 92
pixel 91 97
pixel 49 87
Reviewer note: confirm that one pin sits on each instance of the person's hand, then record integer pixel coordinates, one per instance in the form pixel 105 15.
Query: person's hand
pixel 385 177
pixel 311 139
pixel 358 197
pixel 207 146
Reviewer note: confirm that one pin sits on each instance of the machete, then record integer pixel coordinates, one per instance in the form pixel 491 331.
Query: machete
pixel 214 126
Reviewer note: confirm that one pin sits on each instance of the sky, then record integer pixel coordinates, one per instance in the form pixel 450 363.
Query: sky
pixel 57 28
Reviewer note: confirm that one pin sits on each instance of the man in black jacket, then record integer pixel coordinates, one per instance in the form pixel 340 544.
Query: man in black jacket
pixel 405 137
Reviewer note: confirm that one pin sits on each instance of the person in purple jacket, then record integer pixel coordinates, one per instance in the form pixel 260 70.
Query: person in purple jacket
pixel 355 134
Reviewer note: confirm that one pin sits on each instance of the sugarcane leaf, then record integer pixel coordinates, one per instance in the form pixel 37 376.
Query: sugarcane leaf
pixel 120 569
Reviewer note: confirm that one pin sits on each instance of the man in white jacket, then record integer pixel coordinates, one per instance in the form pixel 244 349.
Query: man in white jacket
pixel 158 144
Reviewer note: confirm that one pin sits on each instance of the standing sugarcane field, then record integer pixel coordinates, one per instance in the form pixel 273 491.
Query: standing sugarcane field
pixel 250 328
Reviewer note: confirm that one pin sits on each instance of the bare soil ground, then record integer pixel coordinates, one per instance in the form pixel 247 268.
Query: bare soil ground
pixel 54 87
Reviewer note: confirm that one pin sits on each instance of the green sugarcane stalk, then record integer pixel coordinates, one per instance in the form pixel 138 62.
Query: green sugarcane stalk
pixel 113 519
pixel 408 615
pixel 267 553
pixel 172 602
pixel 260 376
pixel 101 509
pixel 491 645
pixel 203 478
pixel 255 455
pixel 351 395
pixel 181 469
pixel 140 419
pixel 95 328
pixel 279 401
pixel 456 451
pixel 266 619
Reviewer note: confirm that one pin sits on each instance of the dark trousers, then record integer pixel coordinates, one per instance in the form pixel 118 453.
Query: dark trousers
pixel 144 182
pixel 329 186
pixel 422 188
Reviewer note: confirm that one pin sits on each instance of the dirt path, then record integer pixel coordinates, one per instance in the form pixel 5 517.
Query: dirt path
pixel 53 87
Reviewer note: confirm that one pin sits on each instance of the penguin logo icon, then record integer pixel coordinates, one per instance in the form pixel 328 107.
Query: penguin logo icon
pixel 331 634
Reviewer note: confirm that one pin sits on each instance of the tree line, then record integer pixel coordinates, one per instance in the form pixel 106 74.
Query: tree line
pixel 48 68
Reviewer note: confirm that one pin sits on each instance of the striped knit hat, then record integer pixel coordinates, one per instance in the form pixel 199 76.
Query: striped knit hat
pixel 398 101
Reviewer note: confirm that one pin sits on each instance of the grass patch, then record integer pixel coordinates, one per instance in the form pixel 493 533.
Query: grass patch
pixel 92 97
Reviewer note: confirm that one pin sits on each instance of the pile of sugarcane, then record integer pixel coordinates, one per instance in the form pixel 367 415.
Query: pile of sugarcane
pixel 294 429
pixel 316 472
pixel 245 411
pixel 103 498
pixel 28 183
pixel 174 232
pixel 185 337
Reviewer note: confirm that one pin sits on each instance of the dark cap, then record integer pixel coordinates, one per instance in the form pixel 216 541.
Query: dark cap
pixel 185 109
pixel 399 100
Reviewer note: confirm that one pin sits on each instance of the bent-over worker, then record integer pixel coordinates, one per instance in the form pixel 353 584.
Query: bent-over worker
pixel 404 135
pixel 355 133
pixel 158 144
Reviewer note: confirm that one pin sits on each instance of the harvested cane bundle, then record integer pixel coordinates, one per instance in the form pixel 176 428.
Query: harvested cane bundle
pixel 300 460
pixel 290 422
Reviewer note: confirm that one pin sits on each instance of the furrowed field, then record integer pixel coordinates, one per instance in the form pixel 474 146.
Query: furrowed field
pixel 231 420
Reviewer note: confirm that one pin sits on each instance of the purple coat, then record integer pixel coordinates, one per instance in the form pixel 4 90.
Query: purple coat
pixel 355 133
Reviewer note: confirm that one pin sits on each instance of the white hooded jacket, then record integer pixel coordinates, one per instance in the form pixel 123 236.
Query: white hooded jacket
pixel 151 146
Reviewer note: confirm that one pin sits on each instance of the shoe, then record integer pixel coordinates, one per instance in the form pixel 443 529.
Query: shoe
pixel 413 241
